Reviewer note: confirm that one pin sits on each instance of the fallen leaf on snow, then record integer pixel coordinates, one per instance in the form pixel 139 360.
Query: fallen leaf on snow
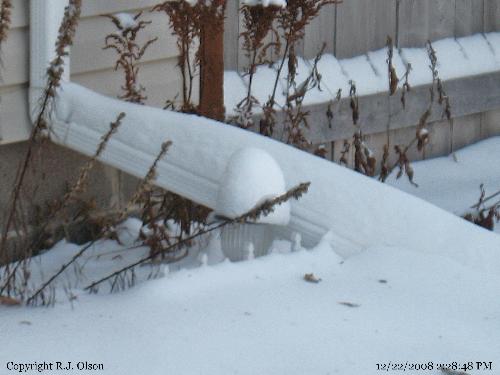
pixel 452 372
pixel 8 301
pixel 349 304
pixel 311 278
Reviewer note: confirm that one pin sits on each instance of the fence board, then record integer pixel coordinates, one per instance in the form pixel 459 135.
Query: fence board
pixel 357 26
pixel 321 30
pixel 363 25
pixel 231 31
pixel 421 20
pixel 491 15
pixel 468 95
pixel 469 17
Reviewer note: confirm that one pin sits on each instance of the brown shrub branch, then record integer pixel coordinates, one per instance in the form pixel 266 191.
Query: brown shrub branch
pixel 261 210
pixel 55 71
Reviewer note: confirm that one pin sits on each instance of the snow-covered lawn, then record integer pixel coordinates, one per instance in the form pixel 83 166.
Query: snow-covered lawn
pixel 452 182
pixel 261 317
pixel 384 305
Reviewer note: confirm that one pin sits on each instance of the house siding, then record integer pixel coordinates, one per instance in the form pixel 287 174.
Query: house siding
pixel 90 65
pixel 93 68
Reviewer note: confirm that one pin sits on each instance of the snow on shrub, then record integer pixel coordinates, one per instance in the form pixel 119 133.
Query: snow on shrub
pixel 265 3
pixel 126 21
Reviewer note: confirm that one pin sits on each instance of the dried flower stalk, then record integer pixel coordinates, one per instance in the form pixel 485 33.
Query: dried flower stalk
pixel 130 53
pixel 184 21
pixel 65 38
pixel 5 19
pixel 258 23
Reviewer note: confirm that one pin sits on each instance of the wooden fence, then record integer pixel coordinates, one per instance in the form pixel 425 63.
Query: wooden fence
pixel 357 26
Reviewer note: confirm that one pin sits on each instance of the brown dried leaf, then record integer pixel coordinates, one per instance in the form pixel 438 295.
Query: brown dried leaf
pixel 311 278
pixel 9 301
pixel 349 304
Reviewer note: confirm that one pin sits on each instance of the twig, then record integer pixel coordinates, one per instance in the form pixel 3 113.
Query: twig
pixel 254 214
pixel 67 31
pixel 31 299
pixel 146 181
pixel 477 205
pixel 71 194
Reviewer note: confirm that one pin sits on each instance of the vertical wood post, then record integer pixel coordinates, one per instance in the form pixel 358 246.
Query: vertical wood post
pixel 212 61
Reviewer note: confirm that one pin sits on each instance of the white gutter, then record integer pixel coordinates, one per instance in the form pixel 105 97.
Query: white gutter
pixel 45 19
pixel 356 210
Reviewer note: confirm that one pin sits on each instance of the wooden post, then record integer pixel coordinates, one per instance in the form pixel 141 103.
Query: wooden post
pixel 212 61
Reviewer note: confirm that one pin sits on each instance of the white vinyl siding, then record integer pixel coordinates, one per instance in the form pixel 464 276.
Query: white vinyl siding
pixel 90 65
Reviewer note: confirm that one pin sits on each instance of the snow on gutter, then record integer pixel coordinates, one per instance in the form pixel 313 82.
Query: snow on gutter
pixel 356 211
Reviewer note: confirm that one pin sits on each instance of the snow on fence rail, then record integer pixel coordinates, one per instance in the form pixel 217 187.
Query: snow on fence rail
pixel 468 66
pixel 357 212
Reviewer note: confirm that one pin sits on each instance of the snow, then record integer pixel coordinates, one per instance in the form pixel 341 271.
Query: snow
pixel 479 54
pixel 378 59
pixel 126 21
pixel 356 209
pixel 452 61
pixel 251 177
pixel 304 67
pixel 332 76
pixel 493 40
pixel 263 84
pixel 400 280
pixel 360 71
pixel 234 89
pixel 452 182
pixel 262 317
pixel 190 2
pixel 419 60
pixel 471 55
pixel 265 3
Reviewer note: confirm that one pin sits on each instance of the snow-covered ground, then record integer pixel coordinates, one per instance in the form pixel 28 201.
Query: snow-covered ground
pixel 453 182
pixel 385 305
pixel 261 317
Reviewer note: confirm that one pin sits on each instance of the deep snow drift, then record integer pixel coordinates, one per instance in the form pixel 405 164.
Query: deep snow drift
pixel 386 305
pixel 452 182
pixel 359 212
pixel 262 317
pixel 402 281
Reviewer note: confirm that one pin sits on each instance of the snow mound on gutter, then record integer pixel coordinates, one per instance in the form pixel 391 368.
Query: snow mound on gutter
pixel 251 177
pixel 360 212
